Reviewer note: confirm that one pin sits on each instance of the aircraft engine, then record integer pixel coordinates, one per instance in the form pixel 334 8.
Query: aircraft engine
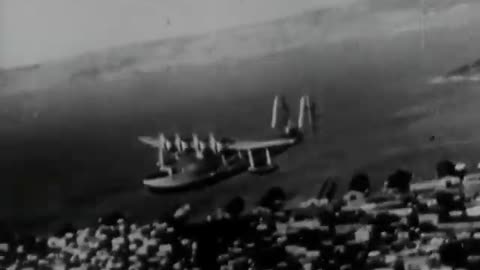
pixel 168 145
pixel 195 141
pixel 178 142
pixel 202 146
pixel 200 150
pixel 183 145
pixel 212 142
pixel 219 146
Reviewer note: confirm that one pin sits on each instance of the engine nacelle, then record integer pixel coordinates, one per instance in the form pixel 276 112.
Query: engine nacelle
pixel 212 142
pixel 168 145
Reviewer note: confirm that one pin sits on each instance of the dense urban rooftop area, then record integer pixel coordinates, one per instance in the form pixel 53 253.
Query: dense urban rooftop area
pixel 407 225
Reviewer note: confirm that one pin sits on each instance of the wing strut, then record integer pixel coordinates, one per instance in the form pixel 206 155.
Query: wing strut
pixel 269 158
pixel 250 159
pixel 161 159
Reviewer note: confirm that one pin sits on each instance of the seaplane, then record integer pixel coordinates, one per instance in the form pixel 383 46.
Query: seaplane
pixel 189 162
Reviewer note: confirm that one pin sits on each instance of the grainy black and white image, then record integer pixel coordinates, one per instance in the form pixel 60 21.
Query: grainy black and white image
pixel 239 134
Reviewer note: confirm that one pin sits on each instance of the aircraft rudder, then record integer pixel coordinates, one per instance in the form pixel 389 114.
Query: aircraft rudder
pixel 307 107
pixel 301 113
pixel 275 112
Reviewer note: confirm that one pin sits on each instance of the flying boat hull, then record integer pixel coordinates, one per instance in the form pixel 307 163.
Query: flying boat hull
pixel 184 181
pixel 261 170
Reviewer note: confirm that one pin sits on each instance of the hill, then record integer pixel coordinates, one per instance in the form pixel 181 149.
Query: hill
pixel 464 73
pixel 156 56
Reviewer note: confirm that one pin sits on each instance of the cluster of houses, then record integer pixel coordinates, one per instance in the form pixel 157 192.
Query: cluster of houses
pixel 430 216
pixel 408 225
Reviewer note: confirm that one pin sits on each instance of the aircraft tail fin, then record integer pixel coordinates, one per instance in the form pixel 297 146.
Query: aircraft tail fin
pixel 301 113
pixel 274 112
pixel 307 110
pixel 280 112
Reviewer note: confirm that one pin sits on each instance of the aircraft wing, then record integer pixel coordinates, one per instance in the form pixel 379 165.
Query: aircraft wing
pixel 251 145
pixel 149 141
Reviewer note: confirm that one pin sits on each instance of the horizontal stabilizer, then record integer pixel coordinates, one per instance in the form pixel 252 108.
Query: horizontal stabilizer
pixel 252 145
